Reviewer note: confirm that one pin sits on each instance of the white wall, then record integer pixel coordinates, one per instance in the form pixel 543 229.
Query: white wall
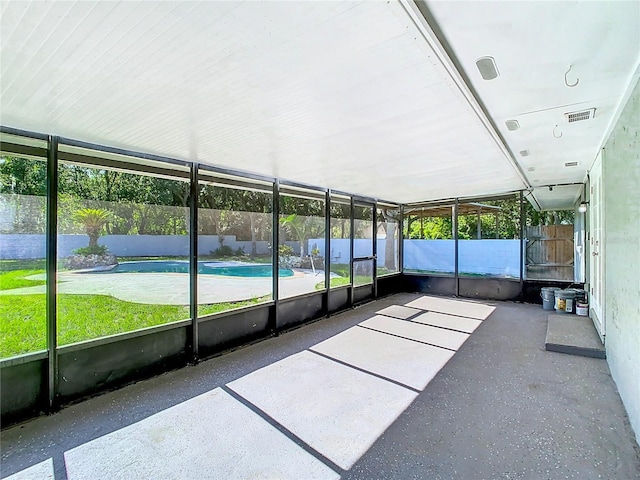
pixel 18 246
pixel 484 257
pixel 621 179
pixel 362 247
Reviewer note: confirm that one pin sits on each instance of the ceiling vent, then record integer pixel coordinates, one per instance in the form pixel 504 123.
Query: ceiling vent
pixel 571 164
pixel 581 115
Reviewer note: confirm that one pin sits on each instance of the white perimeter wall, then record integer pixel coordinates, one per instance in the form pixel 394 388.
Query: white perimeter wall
pixel 492 257
pixel 19 246
pixel 484 257
pixel 621 176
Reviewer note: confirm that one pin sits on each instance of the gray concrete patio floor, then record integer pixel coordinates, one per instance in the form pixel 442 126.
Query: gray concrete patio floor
pixel 501 408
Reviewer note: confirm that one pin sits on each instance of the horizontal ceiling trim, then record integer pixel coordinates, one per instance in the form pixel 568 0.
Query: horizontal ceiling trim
pixel 451 201
pixel 236 173
pixel 121 151
pixel 23 133
pixel 23 150
pixel 127 167
pixel 236 183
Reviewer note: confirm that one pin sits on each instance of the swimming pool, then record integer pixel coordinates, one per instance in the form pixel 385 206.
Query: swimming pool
pixel 227 269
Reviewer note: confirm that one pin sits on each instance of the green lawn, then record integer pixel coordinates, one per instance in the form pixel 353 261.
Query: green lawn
pixel 342 269
pixel 15 279
pixel 80 317
pixel 86 317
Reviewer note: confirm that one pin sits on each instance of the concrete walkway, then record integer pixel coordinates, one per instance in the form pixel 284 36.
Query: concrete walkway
pixel 409 386
pixel 173 288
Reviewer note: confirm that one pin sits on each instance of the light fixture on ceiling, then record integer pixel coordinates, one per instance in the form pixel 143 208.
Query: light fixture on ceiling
pixel 512 125
pixel 571 164
pixel 487 68
pixel 524 153
pixel 531 169
pixel 582 208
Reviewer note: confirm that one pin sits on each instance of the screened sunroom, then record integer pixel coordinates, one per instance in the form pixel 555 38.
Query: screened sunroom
pixel 180 179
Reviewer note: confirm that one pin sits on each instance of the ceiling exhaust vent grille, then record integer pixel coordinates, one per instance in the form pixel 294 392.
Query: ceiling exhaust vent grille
pixel 571 164
pixel 581 115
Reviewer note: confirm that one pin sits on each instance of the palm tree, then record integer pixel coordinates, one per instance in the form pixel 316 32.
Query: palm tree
pixel 301 227
pixel 93 219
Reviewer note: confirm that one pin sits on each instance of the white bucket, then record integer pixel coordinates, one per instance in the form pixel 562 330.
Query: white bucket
pixel 582 309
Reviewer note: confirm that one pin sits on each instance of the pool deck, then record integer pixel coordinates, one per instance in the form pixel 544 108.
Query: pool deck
pixel 173 288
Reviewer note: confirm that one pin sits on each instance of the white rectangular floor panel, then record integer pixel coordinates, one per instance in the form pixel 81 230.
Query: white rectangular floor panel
pixel 39 471
pixel 454 307
pixel 337 410
pixel 405 361
pixel 462 324
pixel 416 331
pixel 398 311
pixel 207 437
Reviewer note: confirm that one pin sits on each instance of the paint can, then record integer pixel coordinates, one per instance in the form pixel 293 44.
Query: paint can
pixel 582 309
pixel 548 297
pixel 564 301
pixel 581 295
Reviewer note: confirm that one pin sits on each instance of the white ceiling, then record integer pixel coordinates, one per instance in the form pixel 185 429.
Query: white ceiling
pixel 533 45
pixel 355 96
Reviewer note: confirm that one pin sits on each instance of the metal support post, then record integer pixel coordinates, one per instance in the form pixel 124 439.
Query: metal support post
pixel 193 260
pixel 455 247
pixel 275 242
pixel 51 268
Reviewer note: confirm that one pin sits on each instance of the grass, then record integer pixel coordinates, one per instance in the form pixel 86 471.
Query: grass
pixel 80 317
pixel 11 265
pixel 340 281
pixel 15 279
pixel 85 317
pixel 342 269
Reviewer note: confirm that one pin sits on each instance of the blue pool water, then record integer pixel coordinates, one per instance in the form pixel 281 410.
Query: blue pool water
pixel 227 269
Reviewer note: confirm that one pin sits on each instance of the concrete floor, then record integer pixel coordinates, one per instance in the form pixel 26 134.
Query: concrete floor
pixel 501 407
pixel 173 288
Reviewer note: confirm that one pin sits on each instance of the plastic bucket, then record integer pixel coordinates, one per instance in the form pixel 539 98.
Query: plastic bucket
pixel 548 297
pixel 564 300
pixel 581 296
pixel 582 309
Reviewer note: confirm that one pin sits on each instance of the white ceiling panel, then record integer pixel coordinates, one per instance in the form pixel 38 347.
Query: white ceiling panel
pixel 560 197
pixel 355 96
pixel 346 95
pixel 534 44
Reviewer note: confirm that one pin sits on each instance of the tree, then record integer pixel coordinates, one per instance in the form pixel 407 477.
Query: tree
pixel 302 228
pixel 390 219
pixel 93 220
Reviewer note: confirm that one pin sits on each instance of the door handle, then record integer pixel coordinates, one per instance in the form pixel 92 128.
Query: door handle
pixel 593 254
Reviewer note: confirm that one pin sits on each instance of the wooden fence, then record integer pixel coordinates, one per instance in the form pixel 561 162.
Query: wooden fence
pixel 549 253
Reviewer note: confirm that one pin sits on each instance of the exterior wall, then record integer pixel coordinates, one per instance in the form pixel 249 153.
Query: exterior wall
pixel 621 179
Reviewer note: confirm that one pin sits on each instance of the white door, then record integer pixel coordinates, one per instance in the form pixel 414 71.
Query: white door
pixel 596 259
